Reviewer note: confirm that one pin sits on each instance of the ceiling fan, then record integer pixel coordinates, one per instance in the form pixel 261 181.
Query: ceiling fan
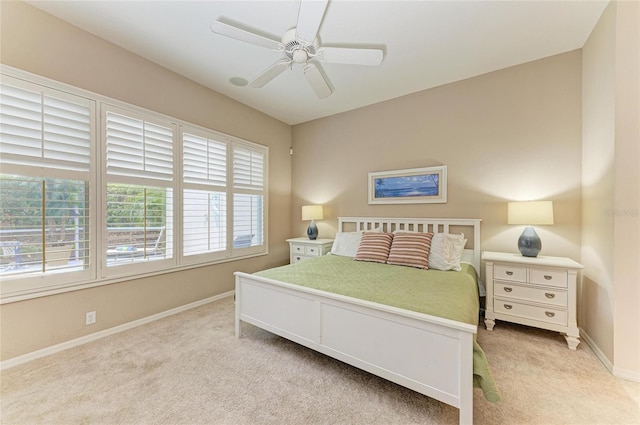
pixel 300 45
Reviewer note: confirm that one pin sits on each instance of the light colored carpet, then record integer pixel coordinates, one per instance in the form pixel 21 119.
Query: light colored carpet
pixel 190 369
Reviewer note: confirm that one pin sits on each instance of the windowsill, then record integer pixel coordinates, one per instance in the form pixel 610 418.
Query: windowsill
pixel 76 286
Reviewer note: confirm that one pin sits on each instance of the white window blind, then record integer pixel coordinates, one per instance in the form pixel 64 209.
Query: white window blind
pixel 40 129
pixel 138 148
pixel 248 196
pixel 248 169
pixel 205 193
pixel 139 156
pixel 46 138
pixel 205 160
pixel 204 221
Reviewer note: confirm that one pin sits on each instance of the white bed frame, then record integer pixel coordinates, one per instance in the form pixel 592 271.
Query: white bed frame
pixel 428 354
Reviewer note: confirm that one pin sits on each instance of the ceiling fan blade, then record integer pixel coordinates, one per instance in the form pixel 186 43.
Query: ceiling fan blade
pixel 351 56
pixel 309 19
pixel 244 35
pixel 272 72
pixel 317 80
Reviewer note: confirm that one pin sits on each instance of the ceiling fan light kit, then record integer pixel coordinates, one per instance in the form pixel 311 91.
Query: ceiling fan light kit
pixel 300 45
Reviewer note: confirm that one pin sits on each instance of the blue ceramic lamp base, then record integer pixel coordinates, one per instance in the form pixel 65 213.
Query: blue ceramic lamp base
pixel 529 242
pixel 312 230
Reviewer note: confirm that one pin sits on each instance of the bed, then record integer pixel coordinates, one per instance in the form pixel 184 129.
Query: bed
pixel 390 323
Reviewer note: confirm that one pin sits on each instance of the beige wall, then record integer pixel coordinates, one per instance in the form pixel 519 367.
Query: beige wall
pixel 39 43
pixel 598 155
pixel 610 294
pixel 626 272
pixel 509 135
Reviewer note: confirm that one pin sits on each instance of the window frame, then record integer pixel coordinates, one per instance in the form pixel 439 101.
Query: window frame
pixel 135 267
pixel 231 142
pixel 35 282
pixel 17 288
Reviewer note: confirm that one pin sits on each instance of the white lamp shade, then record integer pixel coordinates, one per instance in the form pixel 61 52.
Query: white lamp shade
pixel 312 212
pixel 529 213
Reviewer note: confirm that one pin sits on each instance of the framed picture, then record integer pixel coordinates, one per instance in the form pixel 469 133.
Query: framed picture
pixel 411 186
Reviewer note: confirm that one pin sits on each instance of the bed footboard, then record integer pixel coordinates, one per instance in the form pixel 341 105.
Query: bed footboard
pixel 428 354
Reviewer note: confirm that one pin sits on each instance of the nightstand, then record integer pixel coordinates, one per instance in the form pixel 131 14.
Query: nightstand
pixel 305 248
pixel 533 291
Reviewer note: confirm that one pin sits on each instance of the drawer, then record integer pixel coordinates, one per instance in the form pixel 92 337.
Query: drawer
pixel 552 297
pixel 297 248
pixel 549 277
pixel 511 273
pixel 296 257
pixel 541 314
pixel 312 250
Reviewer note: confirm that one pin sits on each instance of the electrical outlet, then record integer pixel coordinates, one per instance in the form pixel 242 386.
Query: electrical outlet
pixel 90 318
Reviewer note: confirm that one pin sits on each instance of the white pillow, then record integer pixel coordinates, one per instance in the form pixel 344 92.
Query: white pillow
pixel 346 244
pixel 446 251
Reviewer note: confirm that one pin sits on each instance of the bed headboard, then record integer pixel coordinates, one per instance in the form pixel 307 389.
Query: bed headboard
pixel 469 226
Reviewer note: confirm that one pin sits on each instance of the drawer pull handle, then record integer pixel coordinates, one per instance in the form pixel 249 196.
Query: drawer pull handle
pixel 508 306
pixel 550 296
pixel 509 273
pixel 546 276
pixel 549 313
pixel 508 289
pixel 298 258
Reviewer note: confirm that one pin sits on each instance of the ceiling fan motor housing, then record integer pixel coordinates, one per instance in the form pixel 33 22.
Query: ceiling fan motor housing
pixel 297 51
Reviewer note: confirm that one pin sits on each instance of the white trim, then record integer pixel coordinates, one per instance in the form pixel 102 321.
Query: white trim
pixel 630 375
pixel 596 350
pixel 25 358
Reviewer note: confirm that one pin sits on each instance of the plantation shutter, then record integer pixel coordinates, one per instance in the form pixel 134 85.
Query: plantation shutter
pixel 41 129
pixel 248 169
pixel 205 194
pixel 138 148
pixel 248 196
pixel 45 157
pixel 205 161
pixel 140 200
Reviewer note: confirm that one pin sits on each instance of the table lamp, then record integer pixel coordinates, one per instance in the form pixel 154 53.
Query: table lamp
pixel 529 213
pixel 312 212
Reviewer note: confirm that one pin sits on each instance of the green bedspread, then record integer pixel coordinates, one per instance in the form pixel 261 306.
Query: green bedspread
pixel 448 294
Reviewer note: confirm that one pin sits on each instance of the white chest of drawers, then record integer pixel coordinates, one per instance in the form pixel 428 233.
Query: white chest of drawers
pixel 304 248
pixel 538 292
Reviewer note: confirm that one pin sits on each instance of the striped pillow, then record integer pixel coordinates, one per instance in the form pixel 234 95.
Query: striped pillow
pixel 410 249
pixel 374 247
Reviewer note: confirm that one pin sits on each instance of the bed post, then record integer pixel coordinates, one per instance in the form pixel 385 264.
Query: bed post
pixel 236 298
pixel 466 379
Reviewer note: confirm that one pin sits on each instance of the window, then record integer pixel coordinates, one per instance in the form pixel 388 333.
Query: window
pixel 205 194
pixel 210 162
pixel 45 156
pixel 248 196
pixel 94 190
pixel 139 189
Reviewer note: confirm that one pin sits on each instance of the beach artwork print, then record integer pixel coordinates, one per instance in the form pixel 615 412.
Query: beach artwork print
pixel 416 185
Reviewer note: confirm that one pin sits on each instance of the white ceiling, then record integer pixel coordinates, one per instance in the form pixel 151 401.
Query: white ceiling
pixel 426 43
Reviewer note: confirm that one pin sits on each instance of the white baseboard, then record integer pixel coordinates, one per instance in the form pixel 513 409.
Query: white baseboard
pixel 106 332
pixel 598 352
pixel 629 375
